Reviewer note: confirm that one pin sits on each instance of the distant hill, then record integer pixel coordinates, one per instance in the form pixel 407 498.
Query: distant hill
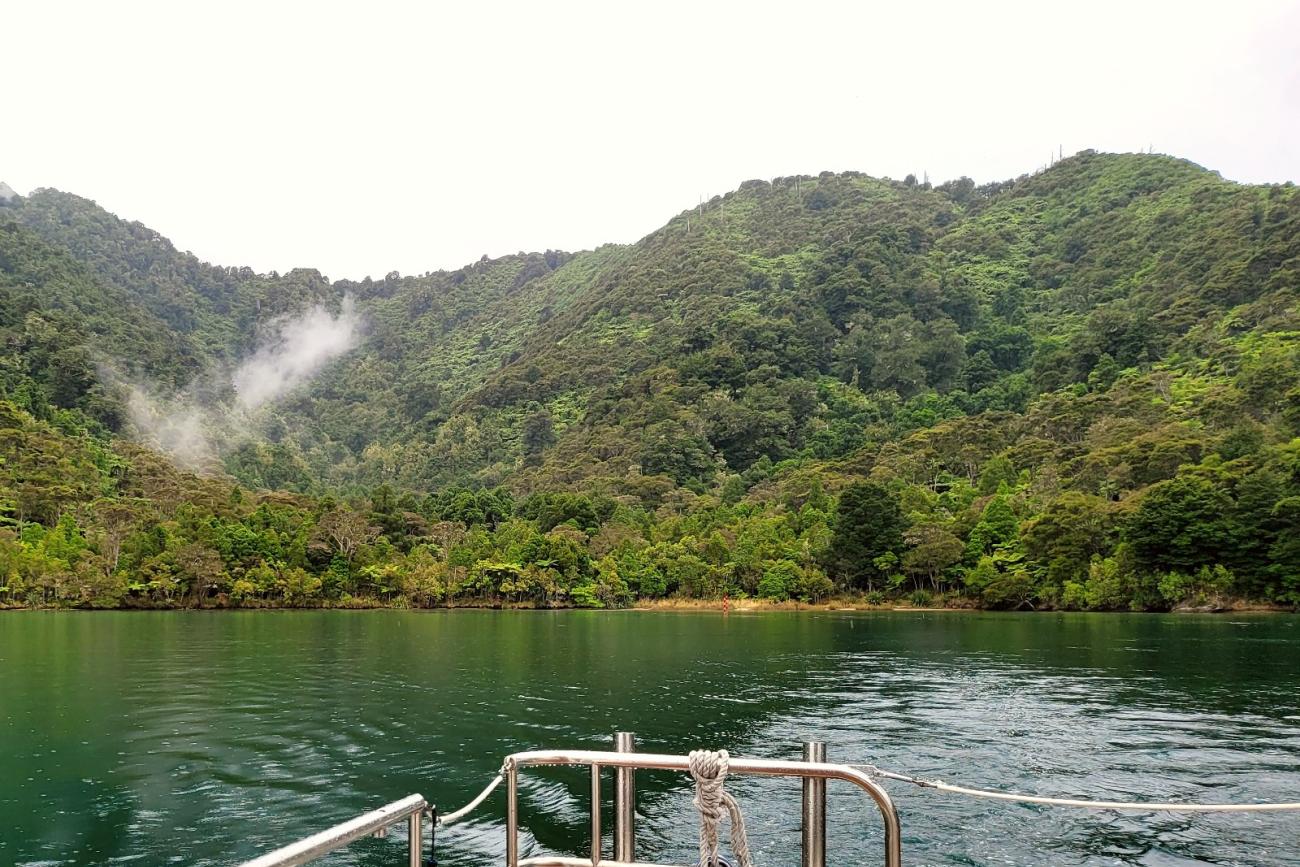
pixel 1063 344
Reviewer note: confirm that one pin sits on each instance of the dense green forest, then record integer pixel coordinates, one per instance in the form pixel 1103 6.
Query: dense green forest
pixel 1077 389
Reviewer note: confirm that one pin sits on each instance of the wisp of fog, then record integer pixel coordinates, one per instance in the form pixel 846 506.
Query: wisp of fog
pixel 301 348
pixel 174 426
pixel 196 432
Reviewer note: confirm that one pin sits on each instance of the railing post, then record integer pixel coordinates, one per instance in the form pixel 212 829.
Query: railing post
pixel 814 809
pixel 512 814
pixel 415 842
pixel 595 815
pixel 624 801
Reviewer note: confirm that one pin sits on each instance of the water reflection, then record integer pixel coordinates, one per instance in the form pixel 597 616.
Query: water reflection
pixel 205 738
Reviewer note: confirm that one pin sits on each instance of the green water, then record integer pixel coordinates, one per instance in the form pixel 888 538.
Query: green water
pixel 206 738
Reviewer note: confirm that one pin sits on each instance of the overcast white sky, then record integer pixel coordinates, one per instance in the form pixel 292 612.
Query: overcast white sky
pixel 366 137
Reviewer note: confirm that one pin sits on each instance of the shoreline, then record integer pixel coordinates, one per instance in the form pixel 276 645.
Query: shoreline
pixel 736 606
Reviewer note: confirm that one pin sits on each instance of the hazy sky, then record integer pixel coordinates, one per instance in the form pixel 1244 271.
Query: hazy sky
pixel 366 137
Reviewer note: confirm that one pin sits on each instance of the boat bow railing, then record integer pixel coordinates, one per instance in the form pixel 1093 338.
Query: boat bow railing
pixel 814 812
pixel 624 761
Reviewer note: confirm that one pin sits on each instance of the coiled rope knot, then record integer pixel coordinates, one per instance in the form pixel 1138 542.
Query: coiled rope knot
pixel 709 770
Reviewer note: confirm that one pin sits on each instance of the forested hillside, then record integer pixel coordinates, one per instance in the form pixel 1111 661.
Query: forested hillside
pixel 1077 389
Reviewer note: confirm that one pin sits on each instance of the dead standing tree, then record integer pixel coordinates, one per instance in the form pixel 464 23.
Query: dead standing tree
pixel 345 531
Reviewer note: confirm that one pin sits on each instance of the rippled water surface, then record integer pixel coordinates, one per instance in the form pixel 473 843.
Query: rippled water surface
pixel 205 738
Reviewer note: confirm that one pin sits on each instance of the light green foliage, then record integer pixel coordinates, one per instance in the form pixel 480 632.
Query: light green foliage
pixel 997 472
pixel 812 585
pixel 997 529
pixel 779 580
pixel 933 549
pixel 1207 587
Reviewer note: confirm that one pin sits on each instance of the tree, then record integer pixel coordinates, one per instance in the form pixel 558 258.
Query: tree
pixel 1285 552
pixel 345 531
pixel 868 525
pixel 670 448
pixel 425 578
pixel 538 434
pixel 116 521
pixel 1003 581
pixel 943 354
pixel 550 510
pixel 997 527
pixel 997 472
pixel 1008 347
pixel 812 586
pixel 1103 373
pixel 933 549
pixel 979 371
pixel 201 566
pixel 1063 538
pixel 780 579
pixel 898 356
pixel 1181 525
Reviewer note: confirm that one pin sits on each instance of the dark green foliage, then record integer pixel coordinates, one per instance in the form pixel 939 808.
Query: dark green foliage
pixel 1064 537
pixel 1181 524
pixel 868 529
pixel 538 434
pixel 472 507
pixel 550 510
pixel 1079 388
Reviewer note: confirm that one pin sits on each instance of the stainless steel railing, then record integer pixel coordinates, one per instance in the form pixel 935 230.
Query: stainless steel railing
pixel 375 823
pixel 814 771
pixel 814 803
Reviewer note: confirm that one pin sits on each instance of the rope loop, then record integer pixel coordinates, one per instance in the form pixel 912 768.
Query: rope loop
pixel 709 770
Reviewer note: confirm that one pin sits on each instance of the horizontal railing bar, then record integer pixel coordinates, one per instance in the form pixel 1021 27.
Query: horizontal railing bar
pixel 565 861
pixel 662 762
pixel 310 848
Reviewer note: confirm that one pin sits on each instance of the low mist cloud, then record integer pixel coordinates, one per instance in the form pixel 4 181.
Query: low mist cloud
pixel 195 432
pixel 301 348
pixel 180 429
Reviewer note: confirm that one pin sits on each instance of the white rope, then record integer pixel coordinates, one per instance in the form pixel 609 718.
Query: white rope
pixel 1137 806
pixel 469 808
pixel 709 768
